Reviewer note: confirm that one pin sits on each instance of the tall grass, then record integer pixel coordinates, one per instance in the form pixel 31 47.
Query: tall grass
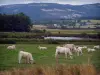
pixel 53 70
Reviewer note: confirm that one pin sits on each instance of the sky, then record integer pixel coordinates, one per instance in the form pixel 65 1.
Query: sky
pixel 72 2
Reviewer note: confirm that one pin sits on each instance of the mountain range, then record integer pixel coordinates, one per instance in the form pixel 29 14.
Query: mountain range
pixel 44 11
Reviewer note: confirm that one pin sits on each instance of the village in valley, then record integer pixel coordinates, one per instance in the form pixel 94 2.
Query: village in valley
pixel 68 24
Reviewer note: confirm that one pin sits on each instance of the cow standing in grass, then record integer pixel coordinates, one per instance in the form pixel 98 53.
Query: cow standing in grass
pixel 42 48
pixel 97 47
pixel 85 47
pixel 25 55
pixel 78 50
pixel 63 50
pixel 90 50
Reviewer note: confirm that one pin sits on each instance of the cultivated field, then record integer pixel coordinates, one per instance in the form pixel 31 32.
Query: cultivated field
pixel 92 21
pixel 73 31
pixel 9 58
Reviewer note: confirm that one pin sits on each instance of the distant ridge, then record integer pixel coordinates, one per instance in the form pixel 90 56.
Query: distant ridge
pixel 44 11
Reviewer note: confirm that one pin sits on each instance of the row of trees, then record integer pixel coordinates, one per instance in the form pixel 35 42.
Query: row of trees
pixel 16 23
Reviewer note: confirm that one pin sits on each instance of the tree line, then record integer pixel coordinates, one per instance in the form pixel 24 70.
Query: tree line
pixel 15 23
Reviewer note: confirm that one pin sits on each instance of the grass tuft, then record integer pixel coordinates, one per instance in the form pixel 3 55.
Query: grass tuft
pixel 53 70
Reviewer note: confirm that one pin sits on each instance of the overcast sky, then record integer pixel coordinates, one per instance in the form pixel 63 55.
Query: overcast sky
pixel 73 2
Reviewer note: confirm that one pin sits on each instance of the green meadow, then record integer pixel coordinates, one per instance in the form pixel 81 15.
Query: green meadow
pixel 9 58
pixel 72 31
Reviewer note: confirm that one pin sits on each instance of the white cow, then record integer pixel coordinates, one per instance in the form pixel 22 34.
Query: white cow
pixel 84 46
pixel 78 50
pixel 11 47
pixel 97 47
pixel 25 55
pixel 90 50
pixel 70 46
pixel 42 48
pixel 63 50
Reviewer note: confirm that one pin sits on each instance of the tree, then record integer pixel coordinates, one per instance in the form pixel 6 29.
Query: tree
pixel 88 21
pixel 16 22
pixel 84 35
pixel 98 35
pixel 78 21
pixel 44 30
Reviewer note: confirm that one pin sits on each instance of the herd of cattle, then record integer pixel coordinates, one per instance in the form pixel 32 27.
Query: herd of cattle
pixel 67 49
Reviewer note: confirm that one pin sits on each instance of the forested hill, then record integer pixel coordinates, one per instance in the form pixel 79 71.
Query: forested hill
pixel 42 11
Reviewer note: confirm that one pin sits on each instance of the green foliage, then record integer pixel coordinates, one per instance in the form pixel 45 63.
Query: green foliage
pixel 98 35
pixel 42 41
pixel 88 21
pixel 37 31
pixel 16 22
pixel 50 41
pixel 84 34
pixel 44 30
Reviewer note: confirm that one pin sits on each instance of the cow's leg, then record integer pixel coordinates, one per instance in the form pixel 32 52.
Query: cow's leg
pixel 28 60
pixel 70 54
pixel 19 58
pixel 66 55
pixel 81 52
pixel 56 56
pixel 77 53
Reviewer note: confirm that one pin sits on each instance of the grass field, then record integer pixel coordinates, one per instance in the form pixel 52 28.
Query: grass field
pixel 93 21
pixel 56 31
pixel 9 58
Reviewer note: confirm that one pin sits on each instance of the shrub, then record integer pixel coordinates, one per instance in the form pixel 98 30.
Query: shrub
pixel 7 42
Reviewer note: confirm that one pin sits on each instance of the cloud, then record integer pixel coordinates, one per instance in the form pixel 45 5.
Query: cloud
pixel 75 2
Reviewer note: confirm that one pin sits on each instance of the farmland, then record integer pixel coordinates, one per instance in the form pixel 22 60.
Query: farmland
pixel 45 59
pixel 27 33
pixel 73 31
pixel 9 58
pixel 68 24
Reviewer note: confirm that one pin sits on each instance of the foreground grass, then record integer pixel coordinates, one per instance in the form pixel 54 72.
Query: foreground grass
pixel 54 70
pixel 9 58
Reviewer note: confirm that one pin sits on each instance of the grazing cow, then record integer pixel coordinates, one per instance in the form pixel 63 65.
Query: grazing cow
pixel 63 50
pixel 78 50
pixel 25 55
pixel 84 46
pixel 90 50
pixel 97 47
pixel 11 47
pixel 42 48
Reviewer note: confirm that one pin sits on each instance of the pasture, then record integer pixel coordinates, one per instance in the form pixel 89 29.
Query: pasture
pixel 73 31
pixel 9 58
pixel 92 21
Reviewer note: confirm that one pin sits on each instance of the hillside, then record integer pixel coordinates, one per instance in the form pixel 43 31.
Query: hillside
pixel 46 11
